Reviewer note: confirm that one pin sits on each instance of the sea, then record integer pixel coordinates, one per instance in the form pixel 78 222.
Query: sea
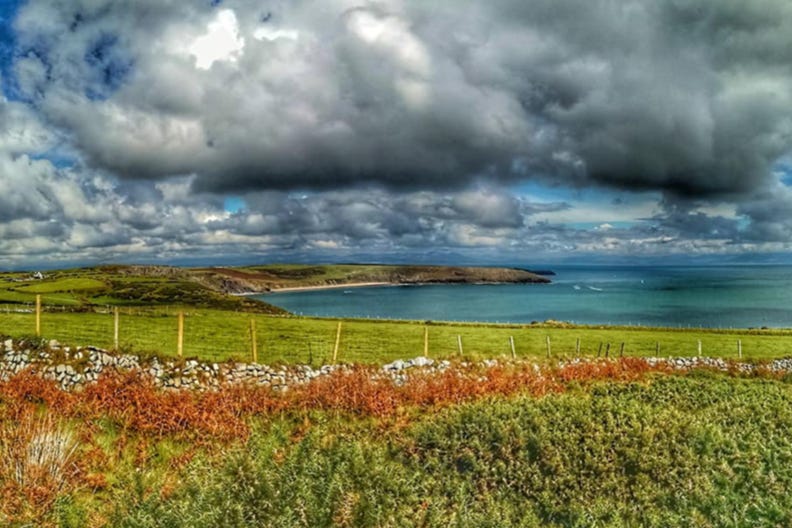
pixel 669 296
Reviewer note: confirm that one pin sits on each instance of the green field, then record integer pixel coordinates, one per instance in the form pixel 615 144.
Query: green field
pixel 223 334
pixel 90 288
pixel 300 273
pixel 65 285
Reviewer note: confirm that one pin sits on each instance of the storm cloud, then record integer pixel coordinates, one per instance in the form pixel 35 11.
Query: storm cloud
pixel 164 130
pixel 690 97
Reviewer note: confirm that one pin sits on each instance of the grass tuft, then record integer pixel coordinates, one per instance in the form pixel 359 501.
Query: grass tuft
pixel 36 463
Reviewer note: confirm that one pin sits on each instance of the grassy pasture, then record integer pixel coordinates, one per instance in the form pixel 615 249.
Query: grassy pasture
pixel 112 286
pixel 223 334
pixel 318 273
pixel 75 284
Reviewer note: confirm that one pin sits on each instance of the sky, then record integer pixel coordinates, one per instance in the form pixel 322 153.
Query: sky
pixel 517 131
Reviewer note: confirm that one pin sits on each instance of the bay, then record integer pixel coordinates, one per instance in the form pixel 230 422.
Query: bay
pixel 716 296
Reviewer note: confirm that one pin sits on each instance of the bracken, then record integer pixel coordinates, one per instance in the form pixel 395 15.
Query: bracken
pixel 43 447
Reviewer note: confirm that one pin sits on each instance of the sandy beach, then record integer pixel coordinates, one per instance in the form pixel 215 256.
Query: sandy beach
pixel 317 287
pixel 331 286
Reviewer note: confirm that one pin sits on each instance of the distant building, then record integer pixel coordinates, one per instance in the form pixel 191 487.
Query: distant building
pixel 38 275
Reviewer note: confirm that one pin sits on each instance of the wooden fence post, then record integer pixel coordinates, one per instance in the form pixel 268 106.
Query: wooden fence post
pixel 253 341
pixel 459 344
pixel 657 348
pixel 180 337
pixel 547 340
pixel 739 348
pixel 599 350
pixel 511 342
pixel 607 350
pixel 115 328
pixel 699 348
pixel 621 350
pixel 337 343
pixel 577 347
pixel 38 315
pixel 426 341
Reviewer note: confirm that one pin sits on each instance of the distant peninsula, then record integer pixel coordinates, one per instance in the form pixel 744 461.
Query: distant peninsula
pixel 225 288
pixel 274 278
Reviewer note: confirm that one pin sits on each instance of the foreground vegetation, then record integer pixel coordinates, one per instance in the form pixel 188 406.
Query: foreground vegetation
pixel 603 444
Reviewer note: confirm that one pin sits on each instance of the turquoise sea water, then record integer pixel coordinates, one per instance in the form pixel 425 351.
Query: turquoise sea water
pixel 720 297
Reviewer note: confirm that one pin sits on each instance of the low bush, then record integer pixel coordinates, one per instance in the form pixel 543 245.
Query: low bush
pixel 616 443
pixel 674 452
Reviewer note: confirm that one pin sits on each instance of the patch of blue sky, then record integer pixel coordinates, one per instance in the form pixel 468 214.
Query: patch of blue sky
pixel 743 222
pixel 234 204
pixel 784 168
pixel 59 158
pixel 590 208
pixel 538 191
pixel 8 12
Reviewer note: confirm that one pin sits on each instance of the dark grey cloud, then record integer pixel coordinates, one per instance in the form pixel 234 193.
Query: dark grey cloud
pixel 685 219
pixel 90 217
pixel 769 215
pixel 377 215
pixel 688 96
pixel 52 214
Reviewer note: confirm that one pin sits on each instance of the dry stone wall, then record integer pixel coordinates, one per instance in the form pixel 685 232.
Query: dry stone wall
pixel 73 367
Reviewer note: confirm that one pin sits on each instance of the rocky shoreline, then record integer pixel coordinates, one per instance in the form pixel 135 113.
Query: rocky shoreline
pixel 71 368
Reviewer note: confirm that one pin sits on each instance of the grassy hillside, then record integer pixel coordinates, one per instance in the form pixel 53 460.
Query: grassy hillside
pixel 121 286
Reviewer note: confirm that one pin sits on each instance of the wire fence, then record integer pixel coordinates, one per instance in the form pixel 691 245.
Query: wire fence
pixel 218 335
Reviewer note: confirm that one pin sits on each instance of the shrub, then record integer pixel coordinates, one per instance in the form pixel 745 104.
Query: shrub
pixel 36 463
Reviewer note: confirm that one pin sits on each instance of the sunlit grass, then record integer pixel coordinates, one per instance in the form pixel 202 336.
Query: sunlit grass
pixel 221 335
pixel 62 285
